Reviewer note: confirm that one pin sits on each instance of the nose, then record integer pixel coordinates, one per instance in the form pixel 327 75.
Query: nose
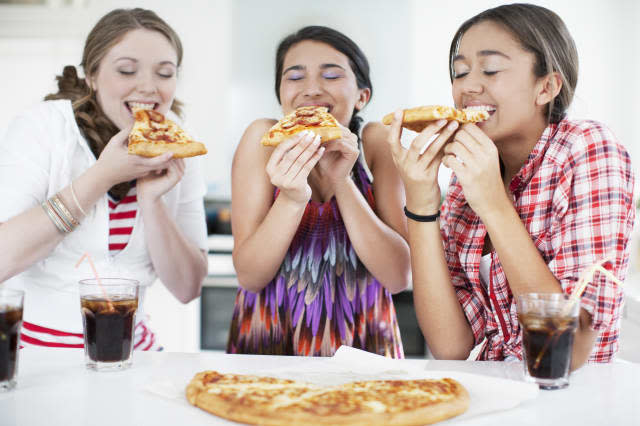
pixel 312 88
pixel 145 83
pixel 471 84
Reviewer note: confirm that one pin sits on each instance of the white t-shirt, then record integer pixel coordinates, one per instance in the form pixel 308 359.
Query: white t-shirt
pixel 41 152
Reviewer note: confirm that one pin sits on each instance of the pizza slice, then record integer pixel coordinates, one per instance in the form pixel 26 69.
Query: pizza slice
pixel 314 118
pixel 418 118
pixel 273 401
pixel 153 134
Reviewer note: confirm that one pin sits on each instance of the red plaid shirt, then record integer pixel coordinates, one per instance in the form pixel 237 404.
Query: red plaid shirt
pixel 574 195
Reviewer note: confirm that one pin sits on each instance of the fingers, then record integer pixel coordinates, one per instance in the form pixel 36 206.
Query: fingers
pixel 394 135
pixel 434 151
pixel 290 148
pixel 425 136
pixel 304 171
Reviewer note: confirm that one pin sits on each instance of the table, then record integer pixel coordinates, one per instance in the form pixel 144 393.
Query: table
pixel 54 388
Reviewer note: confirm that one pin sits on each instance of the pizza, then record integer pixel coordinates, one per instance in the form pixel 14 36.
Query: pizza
pixel 153 134
pixel 314 118
pixel 418 118
pixel 274 401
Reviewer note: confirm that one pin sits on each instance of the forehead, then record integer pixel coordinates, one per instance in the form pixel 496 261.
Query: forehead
pixel 143 45
pixel 488 35
pixel 309 53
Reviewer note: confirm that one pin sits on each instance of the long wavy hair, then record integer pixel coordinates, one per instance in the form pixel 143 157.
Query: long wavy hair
pixel 96 127
pixel 542 32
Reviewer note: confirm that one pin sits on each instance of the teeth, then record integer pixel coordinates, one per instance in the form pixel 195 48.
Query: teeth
pixel 480 108
pixel 140 105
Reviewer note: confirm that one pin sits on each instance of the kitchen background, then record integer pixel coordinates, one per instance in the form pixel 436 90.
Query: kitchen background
pixel 226 81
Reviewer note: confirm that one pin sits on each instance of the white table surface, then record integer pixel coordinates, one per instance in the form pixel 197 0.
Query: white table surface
pixel 54 388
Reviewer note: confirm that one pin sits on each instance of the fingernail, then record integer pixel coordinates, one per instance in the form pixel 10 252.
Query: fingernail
pixel 441 122
pixel 452 125
pixel 398 114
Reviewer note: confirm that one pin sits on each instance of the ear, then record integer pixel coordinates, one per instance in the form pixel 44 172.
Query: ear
pixel 363 98
pixel 90 82
pixel 548 88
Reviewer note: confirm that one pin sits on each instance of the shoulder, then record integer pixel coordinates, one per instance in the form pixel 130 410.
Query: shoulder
pixel 578 140
pixel 249 146
pixel 44 123
pixel 374 142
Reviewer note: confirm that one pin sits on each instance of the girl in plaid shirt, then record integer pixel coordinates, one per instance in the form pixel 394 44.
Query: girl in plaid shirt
pixel 534 200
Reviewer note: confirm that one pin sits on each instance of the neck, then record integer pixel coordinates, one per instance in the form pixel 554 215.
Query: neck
pixel 515 149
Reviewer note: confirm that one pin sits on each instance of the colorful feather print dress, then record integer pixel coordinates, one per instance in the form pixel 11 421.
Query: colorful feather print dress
pixel 322 296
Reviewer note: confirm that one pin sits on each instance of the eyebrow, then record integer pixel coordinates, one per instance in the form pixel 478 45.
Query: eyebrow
pixel 482 53
pixel 302 67
pixel 126 58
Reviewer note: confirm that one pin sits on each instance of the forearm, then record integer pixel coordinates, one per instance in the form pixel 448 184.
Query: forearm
pixel 180 264
pixel 382 250
pixel 438 310
pixel 31 236
pixel 523 265
pixel 258 257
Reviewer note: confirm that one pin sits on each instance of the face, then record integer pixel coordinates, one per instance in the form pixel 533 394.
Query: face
pixel 491 69
pixel 315 73
pixel 141 68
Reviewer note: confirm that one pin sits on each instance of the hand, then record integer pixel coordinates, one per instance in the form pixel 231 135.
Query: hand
pixel 158 182
pixel 419 172
pixel 116 165
pixel 339 157
pixel 473 157
pixel 290 164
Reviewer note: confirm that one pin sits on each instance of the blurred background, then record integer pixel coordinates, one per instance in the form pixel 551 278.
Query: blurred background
pixel 227 81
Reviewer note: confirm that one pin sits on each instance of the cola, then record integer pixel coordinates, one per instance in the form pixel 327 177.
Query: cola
pixel 108 326
pixel 547 344
pixel 10 325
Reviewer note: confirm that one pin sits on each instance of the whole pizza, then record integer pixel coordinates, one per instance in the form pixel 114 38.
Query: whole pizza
pixel 314 118
pixel 273 401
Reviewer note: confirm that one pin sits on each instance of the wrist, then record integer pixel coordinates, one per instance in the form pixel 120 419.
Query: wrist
pixel 422 207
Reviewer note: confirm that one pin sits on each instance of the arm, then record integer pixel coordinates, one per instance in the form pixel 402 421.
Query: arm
pixel 440 315
pixel 180 264
pixel 377 238
pixel 262 228
pixel 28 234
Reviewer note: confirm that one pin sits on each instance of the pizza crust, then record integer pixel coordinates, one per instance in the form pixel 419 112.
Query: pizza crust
pixel 284 402
pixel 418 118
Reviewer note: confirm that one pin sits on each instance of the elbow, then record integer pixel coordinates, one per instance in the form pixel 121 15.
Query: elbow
pixel 249 282
pixel 449 353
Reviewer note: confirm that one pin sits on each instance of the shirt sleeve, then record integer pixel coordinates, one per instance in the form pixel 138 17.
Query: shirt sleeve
pixel 594 217
pixel 191 216
pixel 471 305
pixel 24 165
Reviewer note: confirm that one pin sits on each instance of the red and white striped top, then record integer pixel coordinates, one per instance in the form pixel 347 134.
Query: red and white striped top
pixel 122 216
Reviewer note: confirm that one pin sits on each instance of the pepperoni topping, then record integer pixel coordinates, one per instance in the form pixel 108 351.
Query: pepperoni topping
pixel 155 116
pixel 305 113
pixel 157 136
pixel 310 121
pixel 288 124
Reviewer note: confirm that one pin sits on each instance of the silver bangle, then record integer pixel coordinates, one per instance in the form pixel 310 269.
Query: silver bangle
pixel 75 200
pixel 54 218
pixel 63 211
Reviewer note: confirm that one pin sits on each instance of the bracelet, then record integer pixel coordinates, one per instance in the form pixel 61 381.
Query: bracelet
pixel 54 218
pixel 63 211
pixel 75 200
pixel 421 218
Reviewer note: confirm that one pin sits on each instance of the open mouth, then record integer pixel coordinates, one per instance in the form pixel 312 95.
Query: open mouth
pixel 488 108
pixel 322 104
pixel 140 105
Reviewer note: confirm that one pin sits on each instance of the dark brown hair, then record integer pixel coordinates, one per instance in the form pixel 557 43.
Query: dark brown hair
pixel 343 44
pixel 542 32
pixel 110 29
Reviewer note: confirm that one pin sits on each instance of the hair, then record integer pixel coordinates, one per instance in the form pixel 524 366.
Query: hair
pixel 94 124
pixel 343 44
pixel 541 32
